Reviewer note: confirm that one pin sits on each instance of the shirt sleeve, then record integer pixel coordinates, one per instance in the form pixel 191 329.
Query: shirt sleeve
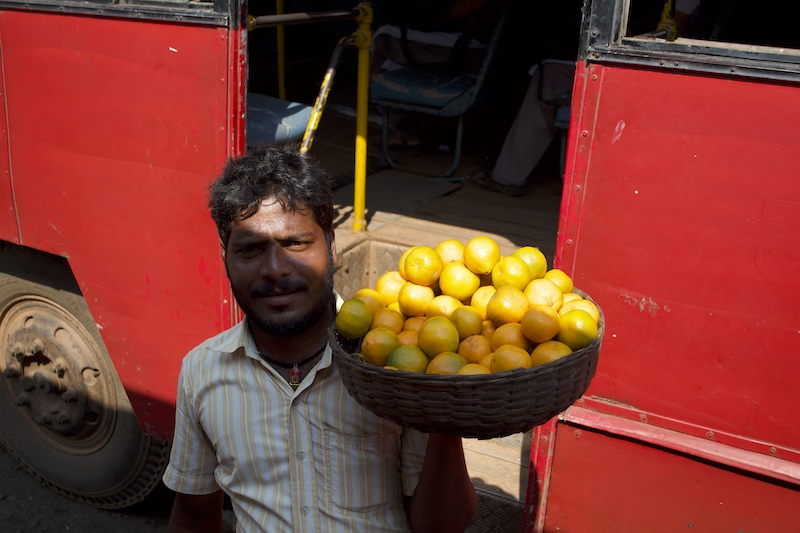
pixel 412 454
pixel 192 460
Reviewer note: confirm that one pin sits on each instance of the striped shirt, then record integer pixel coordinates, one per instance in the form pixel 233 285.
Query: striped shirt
pixel 305 460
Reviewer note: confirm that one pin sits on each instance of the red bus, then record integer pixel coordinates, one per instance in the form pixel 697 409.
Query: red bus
pixel 680 214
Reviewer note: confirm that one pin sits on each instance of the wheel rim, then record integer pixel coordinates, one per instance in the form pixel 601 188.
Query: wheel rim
pixel 53 371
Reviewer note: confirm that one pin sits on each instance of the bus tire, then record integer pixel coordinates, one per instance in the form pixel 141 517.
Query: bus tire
pixel 64 413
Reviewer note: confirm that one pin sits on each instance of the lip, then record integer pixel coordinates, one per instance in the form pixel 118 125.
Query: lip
pixel 279 299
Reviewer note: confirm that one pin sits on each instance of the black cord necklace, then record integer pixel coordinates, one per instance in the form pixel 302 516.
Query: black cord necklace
pixel 295 375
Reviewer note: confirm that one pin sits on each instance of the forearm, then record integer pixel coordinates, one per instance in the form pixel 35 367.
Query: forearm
pixel 196 514
pixel 444 499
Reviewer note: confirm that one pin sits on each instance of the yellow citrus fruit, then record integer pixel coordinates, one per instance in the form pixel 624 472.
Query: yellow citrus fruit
pixel 470 369
pixel 389 285
pixel 509 357
pixel 542 291
pixel 353 319
pixel 437 335
pixel 407 337
pixel 468 321
pixel 409 358
pixel 512 271
pixel 510 333
pixel 534 258
pixel 450 251
pixel 487 328
pixel 414 299
pixel 578 329
pixel 487 360
pixel 372 298
pixel 571 296
pixel 549 351
pixel 458 281
pixel 481 254
pixel 481 297
pixel 401 263
pixel 560 279
pixel 446 363
pixel 423 265
pixel 394 306
pixel 377 344
pixel 442 305
pixel 387 367
pixel 413 323
pixel 474 348
pixel 540 323
pixel 507 304
pixel 581 303
pixel 387 318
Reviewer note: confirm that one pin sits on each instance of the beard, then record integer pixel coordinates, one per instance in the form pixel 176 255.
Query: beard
pixel 294 324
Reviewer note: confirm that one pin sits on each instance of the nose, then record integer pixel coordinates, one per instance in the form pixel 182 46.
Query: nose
pixel 276 263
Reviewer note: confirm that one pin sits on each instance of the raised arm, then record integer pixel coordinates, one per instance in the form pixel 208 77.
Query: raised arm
pixel 444 500
pixel 196 513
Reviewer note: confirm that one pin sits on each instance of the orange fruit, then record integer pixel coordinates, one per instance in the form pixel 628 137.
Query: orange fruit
pixel 509 357
pixel 481 297
pixel 549 351
pixel 487 360
pixel 560 279
pixel 450 250
pixel 534 258
pixel 458 281
pixel 407 337
pixel 507 304
pixel 512 271
pixel 571 296
pixel 387 367
pixel 468 321
pixel 510 333
pixel 540 323
pixel 581 303
pixel 487 328
pixel 409 358
pixel 377 344
pixel 387 318
pixel 372 298
pixel 542 291
pixel 578 329
pixel 353 319
pixel 389 285
pixel 401 263
pixel 446 363
pixel 471 369
pixel 442 305
pixel 481 254
pixel 394 306
pixel 474 348
pixel 437 335
pixel 413 323
pixel 414 299
pixel 423 265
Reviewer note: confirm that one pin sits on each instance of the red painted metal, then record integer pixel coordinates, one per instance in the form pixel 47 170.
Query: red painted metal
pixel 110 171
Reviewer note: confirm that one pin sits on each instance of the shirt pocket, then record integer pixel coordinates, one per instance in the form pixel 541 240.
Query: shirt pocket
pixel 362 472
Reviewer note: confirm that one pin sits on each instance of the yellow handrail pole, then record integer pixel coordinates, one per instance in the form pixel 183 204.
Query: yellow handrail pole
pixel 363 42
pixel 281 44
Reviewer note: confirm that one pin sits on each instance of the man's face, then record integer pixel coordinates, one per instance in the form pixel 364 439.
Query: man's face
pixel 281 269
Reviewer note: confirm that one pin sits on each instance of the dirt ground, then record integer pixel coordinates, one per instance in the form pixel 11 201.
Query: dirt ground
pixel 27 506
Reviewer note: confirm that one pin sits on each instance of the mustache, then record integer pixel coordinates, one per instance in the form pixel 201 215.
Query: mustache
pixel 269 288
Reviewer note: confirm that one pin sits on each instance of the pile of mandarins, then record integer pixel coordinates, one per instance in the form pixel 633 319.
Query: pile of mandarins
pixel 466 309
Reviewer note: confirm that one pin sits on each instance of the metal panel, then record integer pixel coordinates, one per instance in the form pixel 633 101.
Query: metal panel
pixel 116 127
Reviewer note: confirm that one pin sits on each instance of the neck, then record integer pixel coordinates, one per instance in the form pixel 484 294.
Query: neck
pixel 295 348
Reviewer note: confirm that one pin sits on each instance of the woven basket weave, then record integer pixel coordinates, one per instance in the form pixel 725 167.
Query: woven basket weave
pixel 478 406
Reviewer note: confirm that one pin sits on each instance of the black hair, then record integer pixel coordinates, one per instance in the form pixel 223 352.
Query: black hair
pixel 295 180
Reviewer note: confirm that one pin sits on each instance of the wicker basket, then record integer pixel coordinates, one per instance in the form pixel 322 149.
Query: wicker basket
pixel 479 406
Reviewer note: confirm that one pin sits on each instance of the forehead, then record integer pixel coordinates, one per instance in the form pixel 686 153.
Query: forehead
pixel 273 220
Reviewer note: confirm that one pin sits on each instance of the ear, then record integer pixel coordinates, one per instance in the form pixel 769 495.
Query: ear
pixel 332 241
pixel 222 250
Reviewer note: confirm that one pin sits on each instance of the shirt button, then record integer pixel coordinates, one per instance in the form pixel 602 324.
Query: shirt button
pixel 301 456
pixel 304 509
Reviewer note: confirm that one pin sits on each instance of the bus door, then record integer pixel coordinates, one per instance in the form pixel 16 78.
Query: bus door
pixel 681 217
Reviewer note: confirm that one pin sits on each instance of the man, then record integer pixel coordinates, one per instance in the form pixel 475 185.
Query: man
pixel 263 415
